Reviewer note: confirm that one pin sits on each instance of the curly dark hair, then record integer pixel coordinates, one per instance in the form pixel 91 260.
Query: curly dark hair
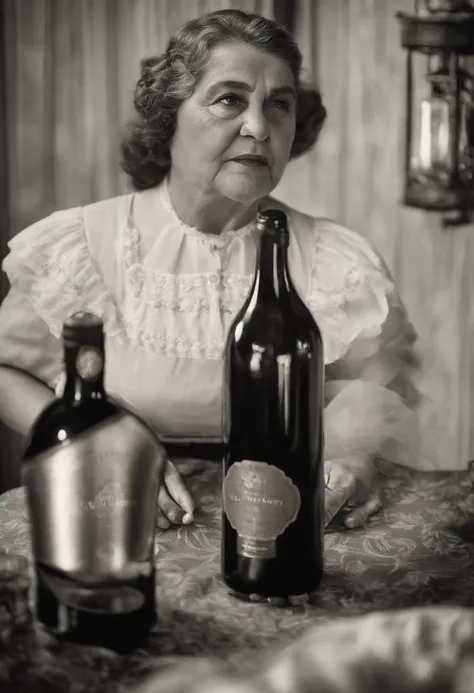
pixel 167 80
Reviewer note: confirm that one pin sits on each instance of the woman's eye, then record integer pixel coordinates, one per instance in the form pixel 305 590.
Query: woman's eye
pixel 282 104
pixel 235 101
pixel 230 100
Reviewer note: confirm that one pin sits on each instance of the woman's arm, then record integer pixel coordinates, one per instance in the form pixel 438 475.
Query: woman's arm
pixel 370 414
pixel 22 398
pixel 371 394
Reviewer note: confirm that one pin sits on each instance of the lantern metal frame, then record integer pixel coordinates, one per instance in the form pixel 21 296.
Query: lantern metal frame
pixel 444 28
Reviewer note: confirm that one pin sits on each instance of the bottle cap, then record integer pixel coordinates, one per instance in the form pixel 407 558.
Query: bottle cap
pixel 273 224
pixel 83 328
pixel 272 218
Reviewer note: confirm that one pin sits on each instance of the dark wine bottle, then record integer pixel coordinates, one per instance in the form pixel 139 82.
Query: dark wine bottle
pixel 92 471
pixel 273 487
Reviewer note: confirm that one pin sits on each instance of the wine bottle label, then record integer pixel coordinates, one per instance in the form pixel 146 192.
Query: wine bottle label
pixel 92 501
pixel 260 502
pixel 89 363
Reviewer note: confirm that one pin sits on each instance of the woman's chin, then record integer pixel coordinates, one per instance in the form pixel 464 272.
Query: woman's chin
pixel 246 189
pixel 246 194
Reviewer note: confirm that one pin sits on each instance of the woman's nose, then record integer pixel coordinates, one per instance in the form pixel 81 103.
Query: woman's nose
pixel 255 125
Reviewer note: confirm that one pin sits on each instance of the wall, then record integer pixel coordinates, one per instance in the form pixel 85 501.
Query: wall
pixel 70 71
pixel 355 176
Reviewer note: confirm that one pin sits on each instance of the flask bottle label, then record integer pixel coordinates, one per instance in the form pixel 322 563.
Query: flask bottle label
pixel 93 501
pixel 89 363
pixel 260 502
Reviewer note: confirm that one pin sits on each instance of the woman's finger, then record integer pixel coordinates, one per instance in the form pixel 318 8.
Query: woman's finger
pixel 161 521
pixel 360 515
pixel 177 490
pixel 340 487
pixel 168 507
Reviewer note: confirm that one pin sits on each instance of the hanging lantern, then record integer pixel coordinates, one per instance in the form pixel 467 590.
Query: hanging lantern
pixel 439 147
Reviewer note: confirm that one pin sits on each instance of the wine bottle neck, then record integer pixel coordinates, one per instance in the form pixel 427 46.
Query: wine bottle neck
pixel 272 268
pixel 84 372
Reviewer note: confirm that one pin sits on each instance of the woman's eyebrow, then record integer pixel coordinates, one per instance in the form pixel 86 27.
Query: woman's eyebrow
pixel 244 86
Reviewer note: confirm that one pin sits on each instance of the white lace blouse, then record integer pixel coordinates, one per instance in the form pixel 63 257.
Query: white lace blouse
pixel 168 293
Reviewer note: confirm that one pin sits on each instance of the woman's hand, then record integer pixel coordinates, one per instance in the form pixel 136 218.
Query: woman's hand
pixel 175 504
pixel 349 482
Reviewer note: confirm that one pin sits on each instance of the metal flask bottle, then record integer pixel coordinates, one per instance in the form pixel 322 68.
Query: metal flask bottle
pixel 92 471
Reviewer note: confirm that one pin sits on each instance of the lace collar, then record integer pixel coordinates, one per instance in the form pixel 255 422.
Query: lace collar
pixel 213 241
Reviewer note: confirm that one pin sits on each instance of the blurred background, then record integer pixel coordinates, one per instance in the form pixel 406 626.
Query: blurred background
pixel 67 75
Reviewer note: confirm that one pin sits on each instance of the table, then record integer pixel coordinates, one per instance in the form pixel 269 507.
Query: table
pixel 418 551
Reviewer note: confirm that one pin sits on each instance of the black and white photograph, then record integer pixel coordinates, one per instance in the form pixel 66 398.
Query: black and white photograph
pixel 236 346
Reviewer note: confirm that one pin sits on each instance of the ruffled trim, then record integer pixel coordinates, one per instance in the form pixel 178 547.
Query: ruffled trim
pixel 214 242
pixel 347 293
pixel 181 293
pixel 348 289
pixel 51 263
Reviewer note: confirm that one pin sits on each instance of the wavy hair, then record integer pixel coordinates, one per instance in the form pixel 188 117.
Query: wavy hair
pixel 167 80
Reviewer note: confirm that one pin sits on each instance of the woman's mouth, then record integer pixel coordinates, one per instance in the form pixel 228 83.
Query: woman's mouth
pixel 251 160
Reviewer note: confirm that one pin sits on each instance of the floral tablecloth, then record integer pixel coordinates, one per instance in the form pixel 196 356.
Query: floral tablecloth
pixel 418 551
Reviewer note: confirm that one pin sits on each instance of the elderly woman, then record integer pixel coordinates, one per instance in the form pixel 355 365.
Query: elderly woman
pixel 219 115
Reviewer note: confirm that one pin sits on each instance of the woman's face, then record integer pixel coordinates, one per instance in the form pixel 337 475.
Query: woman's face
pixel 235 132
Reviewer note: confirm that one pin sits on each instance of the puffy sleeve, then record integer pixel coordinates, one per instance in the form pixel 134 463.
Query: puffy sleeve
pixel 26 341
pixel 51 275
pixel 371 358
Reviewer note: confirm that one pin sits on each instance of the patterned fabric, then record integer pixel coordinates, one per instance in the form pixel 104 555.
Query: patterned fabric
pixel 418 552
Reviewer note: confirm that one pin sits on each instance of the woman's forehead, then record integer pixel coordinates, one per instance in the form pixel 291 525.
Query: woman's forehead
pixel 238 62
